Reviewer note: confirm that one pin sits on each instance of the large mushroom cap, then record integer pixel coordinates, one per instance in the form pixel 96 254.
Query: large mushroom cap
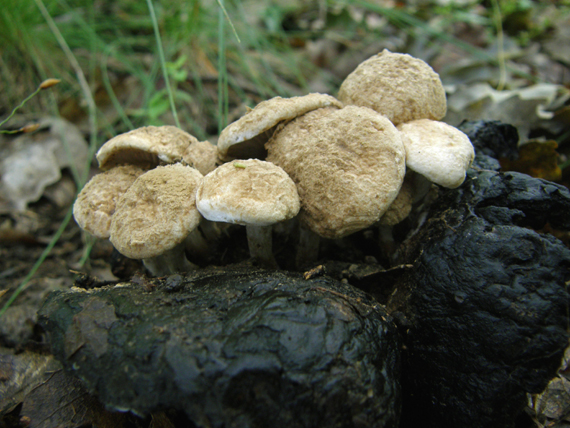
pixel 438 151
pixel 399 86
pixel 146 147
pixel 245 138
pixel 348 166
pixel 95 204
pixel 157 212
pixel 248 192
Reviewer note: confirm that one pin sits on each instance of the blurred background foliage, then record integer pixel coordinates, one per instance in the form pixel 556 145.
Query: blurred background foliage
pixel 269 48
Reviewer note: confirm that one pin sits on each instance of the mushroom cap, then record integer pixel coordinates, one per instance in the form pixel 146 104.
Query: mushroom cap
pixel 202 155
pixel 399 86
pixel 146 147
pixel 95 204
pixel 438 151
pixel 402 205
pixel 248 192
pixel 348 166
pixel 246 137
pixel 157 212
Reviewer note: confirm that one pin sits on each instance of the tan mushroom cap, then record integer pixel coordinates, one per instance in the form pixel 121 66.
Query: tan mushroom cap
pixel 201 155
pixel 248 192
pixel 146 147
pixel 246 137
pixel 402 205
pixel 95 204
pixel 157 212
pixel 399 86
pixel 438 151
pixel 348 166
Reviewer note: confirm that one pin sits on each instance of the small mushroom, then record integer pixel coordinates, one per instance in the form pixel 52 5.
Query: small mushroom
pixel 202 155
pixel 438 151
pixel 396 212
pixel 245 138
pixel 156 216
pixel 402 205
pixel 253 193
pixel 399 86
pixel 146 147
pixel 95 204
pixel 348 165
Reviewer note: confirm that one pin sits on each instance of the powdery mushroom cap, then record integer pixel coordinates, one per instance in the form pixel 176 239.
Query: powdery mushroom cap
pixel 402 205
pixel 348 166
pixel 399 86
pixel 157 212
pixel 95 204
pixel 248 192
pixel 438 151
pixel 201 155
pixel 146 147
pixel 246 137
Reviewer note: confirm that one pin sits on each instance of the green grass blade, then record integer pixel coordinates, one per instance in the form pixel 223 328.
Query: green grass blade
pixel 19 106
pixel 223 102
pixel 163 61
pixel 39 262
pixel 221 4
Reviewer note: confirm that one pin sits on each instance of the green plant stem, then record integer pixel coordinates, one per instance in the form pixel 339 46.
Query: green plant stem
pixel 85 89
pixel 221 4
pixel 162 61
pixel 19 106
pixel 500 46
pixel 111 92
pixel 222 72
pixel 39 262
pixel 80 180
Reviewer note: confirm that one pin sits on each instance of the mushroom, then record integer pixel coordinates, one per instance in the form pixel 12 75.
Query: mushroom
pixel 253 193
pixel 95 204
pixel 156 216
pixel 438 151
pixel 402 205
pixel 146 147
pixel 202 155
pixel 396 212
pixel 401 87
pixel 348 165
pixel 245 138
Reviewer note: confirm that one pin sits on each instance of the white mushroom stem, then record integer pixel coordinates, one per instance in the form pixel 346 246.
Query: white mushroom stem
pixel 196 244
pixel 308 247
pixel 260 242
pixel 169 262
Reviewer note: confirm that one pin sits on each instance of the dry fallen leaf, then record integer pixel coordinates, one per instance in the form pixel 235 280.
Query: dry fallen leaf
pixel 530 108
pixel 62 401
pixel 538 159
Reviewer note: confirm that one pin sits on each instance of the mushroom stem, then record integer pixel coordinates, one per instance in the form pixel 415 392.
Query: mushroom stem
pixel 196 245
pixel 169 262
pixel 308 247
pixel 259 240
pixel 386 240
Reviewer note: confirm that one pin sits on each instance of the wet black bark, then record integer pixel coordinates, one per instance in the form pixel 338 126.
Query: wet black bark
pixel 484 309
pixel 233 348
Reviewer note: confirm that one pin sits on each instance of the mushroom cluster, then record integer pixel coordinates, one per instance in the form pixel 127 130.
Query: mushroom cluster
pixel 144 201
pixel 336 165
